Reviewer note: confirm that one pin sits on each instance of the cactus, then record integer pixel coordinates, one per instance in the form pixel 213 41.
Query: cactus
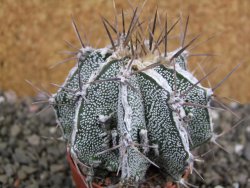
pixel 126 107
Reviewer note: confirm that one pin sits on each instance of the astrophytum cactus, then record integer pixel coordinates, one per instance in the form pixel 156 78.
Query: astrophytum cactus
pixel 128 106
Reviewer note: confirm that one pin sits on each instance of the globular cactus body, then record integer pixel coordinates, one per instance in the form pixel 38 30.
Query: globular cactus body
pixel 123 111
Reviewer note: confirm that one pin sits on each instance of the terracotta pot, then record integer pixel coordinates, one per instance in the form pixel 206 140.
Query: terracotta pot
pixel 79 178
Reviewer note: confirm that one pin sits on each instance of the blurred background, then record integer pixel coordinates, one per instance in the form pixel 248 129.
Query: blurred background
pixel 33 34
pixel 32 39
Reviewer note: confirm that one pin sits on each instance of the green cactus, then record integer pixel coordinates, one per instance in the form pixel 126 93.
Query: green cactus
pixel 127 106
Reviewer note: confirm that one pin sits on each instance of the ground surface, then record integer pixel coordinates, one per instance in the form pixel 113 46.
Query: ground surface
pixel 31 158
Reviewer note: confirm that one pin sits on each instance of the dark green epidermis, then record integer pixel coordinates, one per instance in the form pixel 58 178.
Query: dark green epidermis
pixel 199 127
pixel 131 120
pixel 66 96
pixel 162 128
pixel 101 99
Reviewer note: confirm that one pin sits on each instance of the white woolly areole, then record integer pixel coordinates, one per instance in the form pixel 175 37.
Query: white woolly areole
pixel 209 92
pixel 52 100
pixel 81 93
pixel 114 135
pixel 127 108
pixel 103 118
pixel 83 51
pixel 143 132
pixel 144 139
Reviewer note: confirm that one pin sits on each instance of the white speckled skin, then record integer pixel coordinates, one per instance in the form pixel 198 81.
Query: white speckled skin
pixel 120 121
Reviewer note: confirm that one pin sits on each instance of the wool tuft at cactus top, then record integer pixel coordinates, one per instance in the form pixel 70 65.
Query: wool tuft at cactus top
pixel 127 106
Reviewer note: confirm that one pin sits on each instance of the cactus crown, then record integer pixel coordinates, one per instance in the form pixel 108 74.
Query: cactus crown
pixel 128 106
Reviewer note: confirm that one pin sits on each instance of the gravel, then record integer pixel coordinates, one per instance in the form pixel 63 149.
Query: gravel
pixel 31 156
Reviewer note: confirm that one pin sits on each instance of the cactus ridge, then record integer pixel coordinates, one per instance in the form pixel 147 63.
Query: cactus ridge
pixel 127 106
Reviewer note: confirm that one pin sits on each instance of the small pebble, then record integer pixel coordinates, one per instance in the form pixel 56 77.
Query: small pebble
pixel 247 152
pixel 2 99
pixel 242 178
pixel 9 170
pixel 3 145
pixel 3 179
pixel 1 119
pixel 34 140
pixel 29 169
pixel 234 105
pixel 22 174
pixel 43 162
pixel 215 115
pixel 56 167
pixel 11 97
pixel 248 129
pixel 1 167
pixel 236 185
pixel 218 186
pixel 238 149
pixel 15 130
pixel 44 175
pixel 21 156
pixel 33 185
pixel 53 130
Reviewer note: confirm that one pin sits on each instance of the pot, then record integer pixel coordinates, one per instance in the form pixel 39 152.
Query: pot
pixel 77 177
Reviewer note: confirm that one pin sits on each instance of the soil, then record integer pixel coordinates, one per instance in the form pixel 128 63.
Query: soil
pixel 32 155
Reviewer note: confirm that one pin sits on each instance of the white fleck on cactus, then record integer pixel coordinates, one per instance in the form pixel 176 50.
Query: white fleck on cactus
pixel 128 106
